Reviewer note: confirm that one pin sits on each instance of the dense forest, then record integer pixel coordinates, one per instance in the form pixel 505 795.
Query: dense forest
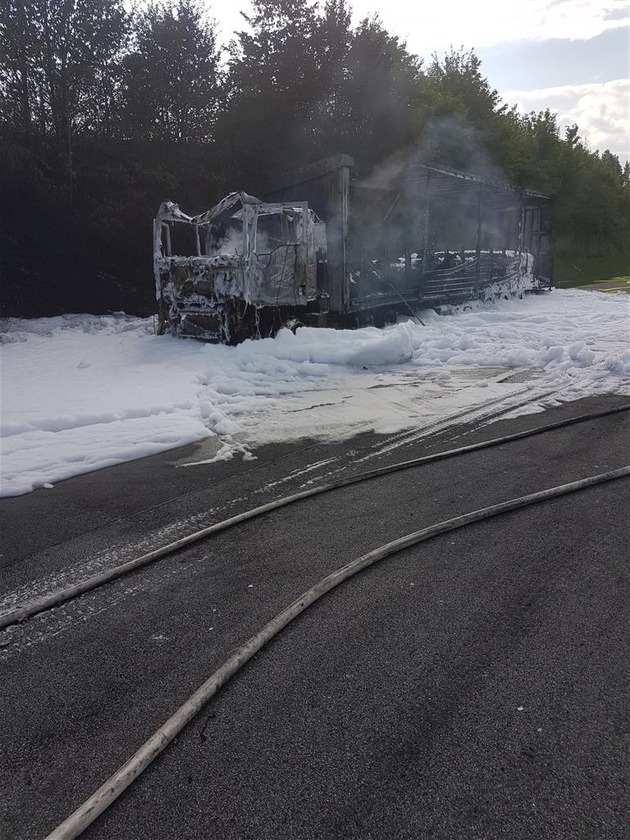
pixel 104 113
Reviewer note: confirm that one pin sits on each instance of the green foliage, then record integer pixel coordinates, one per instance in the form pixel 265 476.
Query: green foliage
pixel 272 88
pixel 303 84
pixel 169 81
pixel 104 113
pixel 385 87
pixel 458 86
pixel 56 61
pixel 571 270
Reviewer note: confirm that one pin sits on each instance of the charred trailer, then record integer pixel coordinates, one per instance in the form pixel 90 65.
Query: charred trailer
pixel 426 236
pixel 240 270
pixel 414 235
pixel 325 250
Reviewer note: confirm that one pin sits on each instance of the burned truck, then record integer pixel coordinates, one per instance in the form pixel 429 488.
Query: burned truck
pixel 321 249
pixel 239 270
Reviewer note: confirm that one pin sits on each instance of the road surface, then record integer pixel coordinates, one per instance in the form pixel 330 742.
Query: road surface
pixel 475 686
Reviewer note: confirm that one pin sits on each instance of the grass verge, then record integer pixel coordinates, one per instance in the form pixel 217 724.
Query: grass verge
pixel 571 271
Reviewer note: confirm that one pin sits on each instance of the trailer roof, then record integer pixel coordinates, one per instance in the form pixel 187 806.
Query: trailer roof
pixel 434 181
pixel 444 174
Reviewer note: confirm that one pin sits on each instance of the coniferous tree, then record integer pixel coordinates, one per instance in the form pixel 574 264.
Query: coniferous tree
pixel 272 87
pixel 333 40
pixel 171 78
pixel 385 92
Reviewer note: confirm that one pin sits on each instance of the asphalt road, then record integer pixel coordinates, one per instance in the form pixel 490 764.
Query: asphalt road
pixel 476 686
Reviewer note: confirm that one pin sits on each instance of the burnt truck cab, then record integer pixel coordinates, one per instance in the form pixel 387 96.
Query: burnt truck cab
pixel 238 270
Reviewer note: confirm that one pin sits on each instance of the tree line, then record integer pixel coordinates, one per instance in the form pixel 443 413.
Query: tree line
pixel 105 112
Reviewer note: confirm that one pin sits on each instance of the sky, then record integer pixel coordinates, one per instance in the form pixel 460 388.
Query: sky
pixel 84 392
pixel 571 56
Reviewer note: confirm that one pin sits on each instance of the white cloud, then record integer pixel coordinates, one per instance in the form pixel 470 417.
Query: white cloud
pixel 601 111
pixel 487 22
pixel 429 27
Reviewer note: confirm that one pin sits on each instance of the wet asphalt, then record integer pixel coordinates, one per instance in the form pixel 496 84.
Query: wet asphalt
pixel 475 686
